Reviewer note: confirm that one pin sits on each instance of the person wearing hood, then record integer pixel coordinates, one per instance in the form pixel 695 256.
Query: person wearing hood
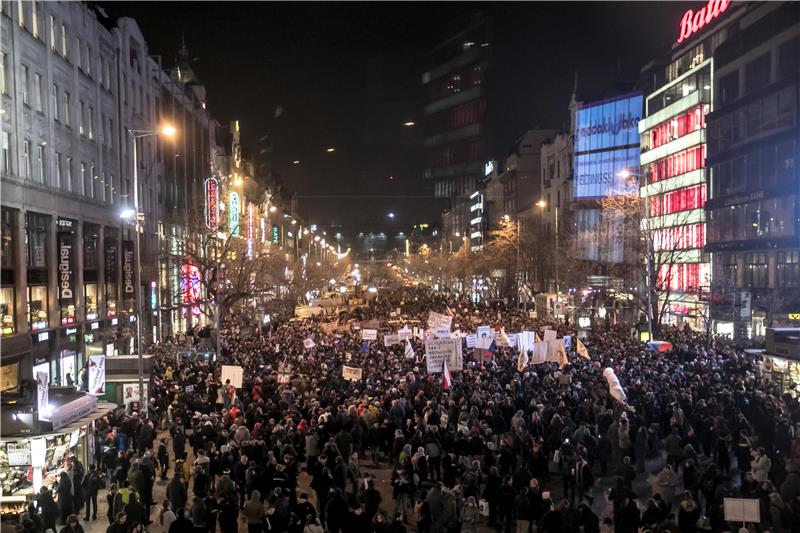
pixel 254 512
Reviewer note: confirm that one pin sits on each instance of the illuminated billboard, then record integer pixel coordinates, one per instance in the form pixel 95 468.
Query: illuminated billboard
pixel 597 173
pixel 606 143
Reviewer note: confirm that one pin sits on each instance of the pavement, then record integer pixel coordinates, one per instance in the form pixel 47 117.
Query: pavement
pixel 600 503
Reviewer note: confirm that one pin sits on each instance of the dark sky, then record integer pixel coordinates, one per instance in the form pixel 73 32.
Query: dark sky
pixel 347 75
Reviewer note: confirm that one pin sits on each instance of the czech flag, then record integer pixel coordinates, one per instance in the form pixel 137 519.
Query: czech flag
pixel 660 346
pixel 446 379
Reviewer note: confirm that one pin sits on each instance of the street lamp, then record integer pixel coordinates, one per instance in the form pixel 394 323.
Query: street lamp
pixel 541 204
pixel 169 131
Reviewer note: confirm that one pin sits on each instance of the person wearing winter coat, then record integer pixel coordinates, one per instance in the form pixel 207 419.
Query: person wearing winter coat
pixel 779 514
pixel 522 510
pixel 65 500
pixel 470 515
pixel 790 488
pixel 665 484
pixel 177 493
pixel 73 526
pixel 688 514
pixel 254 512
pixel 167 516
pixel 49 509
pixel 760 465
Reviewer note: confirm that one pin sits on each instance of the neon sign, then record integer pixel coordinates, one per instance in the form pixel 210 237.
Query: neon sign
pixel 250 228
pixel 233 213
pixel 691 22
pixel 212 203
pixel 190 283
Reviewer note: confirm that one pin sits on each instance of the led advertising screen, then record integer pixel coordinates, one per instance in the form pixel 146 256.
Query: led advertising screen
pixel 611 123
pixel 597 173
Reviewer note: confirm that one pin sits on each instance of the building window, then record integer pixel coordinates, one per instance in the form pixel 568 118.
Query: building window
pixel 88 59
pixel 59 171
pixel 24 81
pixel 68 181
pixel 41 164
pixel 35 18
pixel 757 73
pixel 729 88
pixel 90 299
pixel 7 311
pixel 82 118
pixel 64 40
pixel 39 88
pixel 4 77
pixel 756 271
pixel 52 32
pixel 111 189
pixel 67 110
pixel 91 122
pixel 787 270
pixel 54 102
pixel 5 145
pixel 37 307
pixel 26 158
pixel 84 184
pixel 92 179
pixel 36 240
pixel 79 50
pixel 8 233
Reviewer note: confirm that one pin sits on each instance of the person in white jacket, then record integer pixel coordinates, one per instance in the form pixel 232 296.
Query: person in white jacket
pixel 760 465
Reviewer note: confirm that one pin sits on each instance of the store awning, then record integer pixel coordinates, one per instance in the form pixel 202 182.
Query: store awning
pixel 102 409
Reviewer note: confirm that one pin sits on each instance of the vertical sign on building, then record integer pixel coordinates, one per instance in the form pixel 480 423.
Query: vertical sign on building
pixel 233 213
pixel 212 203
pixel 274 234
pixel 251 230
pixel 128 281
pixel 97 375
pixel 66 260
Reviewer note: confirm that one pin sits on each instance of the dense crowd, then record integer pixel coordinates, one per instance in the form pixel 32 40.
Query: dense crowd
pixel 298 448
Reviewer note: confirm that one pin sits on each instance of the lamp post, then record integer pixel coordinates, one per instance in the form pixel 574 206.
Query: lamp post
pixel 542 204
pixel 138 218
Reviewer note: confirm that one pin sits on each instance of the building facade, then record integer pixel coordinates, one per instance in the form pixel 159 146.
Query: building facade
pixel 455 117
pixel 753 143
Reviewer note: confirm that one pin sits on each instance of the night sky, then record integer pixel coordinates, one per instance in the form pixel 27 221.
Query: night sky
pixel 347 75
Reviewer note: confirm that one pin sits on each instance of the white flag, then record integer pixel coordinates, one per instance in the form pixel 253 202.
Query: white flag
pixel 522 361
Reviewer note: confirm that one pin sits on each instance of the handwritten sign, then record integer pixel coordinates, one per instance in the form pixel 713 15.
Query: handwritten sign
pixel 437 320
pixel 439 350
pixel 369 334
pixel 351 373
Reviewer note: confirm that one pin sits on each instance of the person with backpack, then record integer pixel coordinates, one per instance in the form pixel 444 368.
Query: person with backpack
pixel 91 485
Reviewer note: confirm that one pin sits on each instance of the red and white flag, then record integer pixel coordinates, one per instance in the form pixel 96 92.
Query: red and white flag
pixel 446 379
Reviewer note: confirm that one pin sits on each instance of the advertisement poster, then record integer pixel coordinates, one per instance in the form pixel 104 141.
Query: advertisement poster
pixel 42 386
pixel 131 394
pixel 19 453
pixel 97 375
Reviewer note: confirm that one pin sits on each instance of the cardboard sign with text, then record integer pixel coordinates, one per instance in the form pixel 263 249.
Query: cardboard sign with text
pixel 437 350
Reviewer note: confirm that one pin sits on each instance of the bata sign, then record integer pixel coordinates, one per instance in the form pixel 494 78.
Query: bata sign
pixel 212 203
pixel 692 21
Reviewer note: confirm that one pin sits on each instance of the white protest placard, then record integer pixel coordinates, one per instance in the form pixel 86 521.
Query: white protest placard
pixel 437 320
pixel 512 339
pixel 485 332
pixel 525 341
pixel 404 334
pixel 539 353
pixel 390 340
pixel 742 510
pixel 369 334
pixel 532 314
pixel 97 375
pixel 549 335
pixel 553 348
pixel 309 343
pixel 351 373
pixel 442 333
pixel 437 350
pixel 233 373
pixel 471 338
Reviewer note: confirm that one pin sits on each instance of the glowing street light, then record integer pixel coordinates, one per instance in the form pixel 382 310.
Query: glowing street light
pixel 330 150
pixel 272 209
pixel 390 215
pixel 409 124
pixel 169 130
pixel 296 162
pixel 127 213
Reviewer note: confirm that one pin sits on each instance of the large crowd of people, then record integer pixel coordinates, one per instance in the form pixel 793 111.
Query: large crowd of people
pixel 541 448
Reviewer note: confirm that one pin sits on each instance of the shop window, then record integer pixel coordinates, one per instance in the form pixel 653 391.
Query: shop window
pixel 90 243
pixel 36 245
pixel 90 299
pixel 7 309
pixel 111 308
pixel 37 307
pixel 9 377
pixel 756 271
pixel 68 361
pixel 8 227
pixel 68 314
pixel 787 270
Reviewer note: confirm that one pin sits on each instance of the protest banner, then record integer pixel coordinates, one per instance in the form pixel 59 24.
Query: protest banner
pixel 471 338
pixel 404 334
pixel 351 373
pixel 483 349
pixel 484 332
pixel 439 350
pixel 539 355
pixel 308 344
pixel 390 340
pixel 233 373
pixel 568 342
pixel 437 320
pixel 442 333
pixel 525 341
pixel 549 335
pixel 369 334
